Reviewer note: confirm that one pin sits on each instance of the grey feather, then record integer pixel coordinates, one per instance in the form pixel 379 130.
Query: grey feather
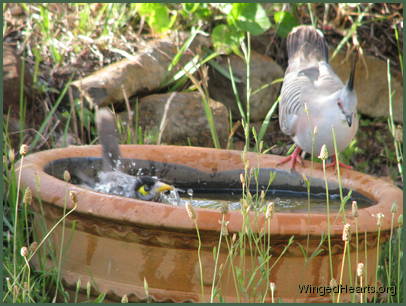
pixel 108 139
pixel 307 76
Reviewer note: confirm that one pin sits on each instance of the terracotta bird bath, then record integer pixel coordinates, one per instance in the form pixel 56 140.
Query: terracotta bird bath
pixel 115 242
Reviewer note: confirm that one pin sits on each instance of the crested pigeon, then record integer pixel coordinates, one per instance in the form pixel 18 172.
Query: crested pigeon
pixel 314 100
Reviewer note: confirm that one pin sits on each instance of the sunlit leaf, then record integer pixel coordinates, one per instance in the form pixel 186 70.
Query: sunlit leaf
pixel 285 23
pixel 249 17
pixel 157 16
pixel 226 39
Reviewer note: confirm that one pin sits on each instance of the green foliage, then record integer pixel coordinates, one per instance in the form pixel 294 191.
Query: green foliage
pixel 226 39
pixel 157 15
pixel 249 17
pixel 241 18
pixel 286 22
pixel 196 10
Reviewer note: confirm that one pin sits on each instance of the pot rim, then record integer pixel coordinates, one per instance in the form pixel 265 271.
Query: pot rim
pixel 120 209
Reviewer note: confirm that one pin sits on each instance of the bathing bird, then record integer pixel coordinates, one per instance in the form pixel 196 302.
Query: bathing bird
pixel 112 179
pixel 315 106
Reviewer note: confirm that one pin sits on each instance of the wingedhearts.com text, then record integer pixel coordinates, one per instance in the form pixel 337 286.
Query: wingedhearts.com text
pixel 343 289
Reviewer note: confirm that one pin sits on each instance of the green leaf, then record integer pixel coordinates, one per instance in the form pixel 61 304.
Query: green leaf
pixel 226 39
pixel 157 16
pixel 249 17
pixel 224 8
pixel 190 7
pixel 145 9
pixel 195 10
pixel 286 22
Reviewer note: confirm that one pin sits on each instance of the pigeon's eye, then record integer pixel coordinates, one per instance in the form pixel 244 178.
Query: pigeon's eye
pixel 340 104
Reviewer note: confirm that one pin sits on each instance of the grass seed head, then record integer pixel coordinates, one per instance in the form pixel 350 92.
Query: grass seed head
pixel 124 298
pixel 66 176
pixel 234 238
pixel 399 134
pixel 146 287
pixel 224 227
pixel 24 251
pixel 190 211
pixel 379 218
pixel 360 269
pixel 262 196
pixel 11 155
pixel 270 210
pixel 24 149
pixel 242 179
pixel 333 283
pixel 394 208
pixel 73 197
pixel 224 209
pixel 88 288
pixel 323 153
pixel 27 199
pixel 16 290
pixel 354 209
pixel 33 246
pixel 347 232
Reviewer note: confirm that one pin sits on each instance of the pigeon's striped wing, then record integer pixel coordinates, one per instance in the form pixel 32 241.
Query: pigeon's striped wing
pixel 301 87
pixel 327 82
pixel 292 102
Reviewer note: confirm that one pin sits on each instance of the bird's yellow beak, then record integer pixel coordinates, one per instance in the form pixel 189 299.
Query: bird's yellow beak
pixel 162 187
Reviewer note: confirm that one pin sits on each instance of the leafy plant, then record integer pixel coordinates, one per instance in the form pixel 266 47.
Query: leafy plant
pixel 241 18
pixel 157 15
pixel 285 21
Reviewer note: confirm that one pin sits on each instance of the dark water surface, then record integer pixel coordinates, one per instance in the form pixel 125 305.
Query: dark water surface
pixel 213 190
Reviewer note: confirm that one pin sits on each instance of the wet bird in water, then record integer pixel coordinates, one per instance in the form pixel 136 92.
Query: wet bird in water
pixel 314 100
pixel 111 178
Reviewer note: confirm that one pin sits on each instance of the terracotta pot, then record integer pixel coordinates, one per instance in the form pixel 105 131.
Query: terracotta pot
pixel 116 242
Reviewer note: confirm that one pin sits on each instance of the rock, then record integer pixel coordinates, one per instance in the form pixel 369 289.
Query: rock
pixel 371 84
pixel 263 71
pixel 143 73
pixel 185 118
pixel 12 81
pixel 68 140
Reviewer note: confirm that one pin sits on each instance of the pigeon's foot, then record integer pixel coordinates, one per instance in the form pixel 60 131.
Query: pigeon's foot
pixel 293 158
pixel 334 164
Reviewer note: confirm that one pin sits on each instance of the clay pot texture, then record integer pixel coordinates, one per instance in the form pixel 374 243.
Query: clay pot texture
pixel 116 242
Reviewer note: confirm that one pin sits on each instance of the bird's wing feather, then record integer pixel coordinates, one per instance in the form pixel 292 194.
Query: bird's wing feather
pixel 295 88
pixel 328 81
pixel 108 139
pixel 304 86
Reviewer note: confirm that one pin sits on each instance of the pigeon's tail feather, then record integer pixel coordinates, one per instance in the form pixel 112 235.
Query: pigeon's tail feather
pixel 307 41
pixel 108 139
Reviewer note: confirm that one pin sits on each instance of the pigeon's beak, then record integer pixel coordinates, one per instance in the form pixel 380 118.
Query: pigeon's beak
pixel 349 119
pixel 162 187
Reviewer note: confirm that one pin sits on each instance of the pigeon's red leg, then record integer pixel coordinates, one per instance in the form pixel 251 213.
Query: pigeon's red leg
pixel 334 163
pixel 293 158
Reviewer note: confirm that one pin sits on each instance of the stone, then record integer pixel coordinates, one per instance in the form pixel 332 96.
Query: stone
pixel 263 71
pixel 186 120
pixel 143 73
pixel 12 81
pixel 371 85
